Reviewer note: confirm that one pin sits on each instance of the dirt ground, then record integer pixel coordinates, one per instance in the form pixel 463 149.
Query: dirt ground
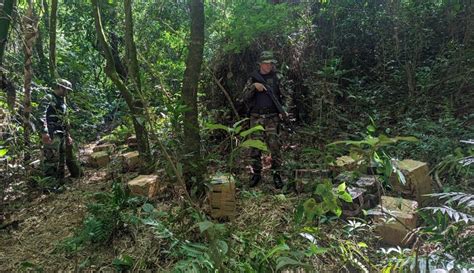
pixel 40 224
pixel 43 221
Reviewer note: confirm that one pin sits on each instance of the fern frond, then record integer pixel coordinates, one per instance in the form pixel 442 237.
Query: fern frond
pixel 453 214
pixel 461 198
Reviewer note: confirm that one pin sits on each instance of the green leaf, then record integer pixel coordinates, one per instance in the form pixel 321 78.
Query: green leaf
pixel 3 152
pixel 286 261
pixel 252 130
pixel 324 189
pixel 299 213
pixel 124 261
pixel 140 120
pixel 362 244
pixel 148 208
pixel 341 188
pixel 223 247
pixel 254 143
pixel 211 126
pixel 401 177
pixel 309 205
pixel 408 138
pixel 203 226
pixel 277 249
pixel 337 210
pixel 315 250
pixel 346 197
pixel 239 122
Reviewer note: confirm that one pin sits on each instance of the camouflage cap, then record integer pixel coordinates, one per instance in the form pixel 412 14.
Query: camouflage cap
pixel 267 57
pixel 64 84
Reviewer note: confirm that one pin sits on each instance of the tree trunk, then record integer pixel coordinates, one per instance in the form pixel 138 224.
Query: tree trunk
pixel 29 30
pixel 52 38
pixel 43 61
pixel 43 29
pixel 192 139
pixel 134 78
pixel 5 19
pixel 131 50
pixel 131 98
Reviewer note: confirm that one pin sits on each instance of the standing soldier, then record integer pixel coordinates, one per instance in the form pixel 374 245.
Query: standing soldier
pixel 263 96
pixel 55 135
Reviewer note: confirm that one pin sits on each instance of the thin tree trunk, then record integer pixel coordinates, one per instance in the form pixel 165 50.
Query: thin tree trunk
pixel 30 30
pixel 137 113
pixel 43 29
pixel 131 50
pixel 43 61
pixel 134 78
pixel 52 38
pixel 192 139
pixel 5 19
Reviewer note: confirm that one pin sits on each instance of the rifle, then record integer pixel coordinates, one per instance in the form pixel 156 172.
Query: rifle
pixel 256 76
pixel 285 116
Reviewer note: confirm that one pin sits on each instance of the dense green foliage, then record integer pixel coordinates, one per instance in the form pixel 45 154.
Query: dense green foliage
pixel 356 73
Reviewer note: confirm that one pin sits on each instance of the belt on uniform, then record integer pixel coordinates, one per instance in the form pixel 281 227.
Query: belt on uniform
pixel 263 115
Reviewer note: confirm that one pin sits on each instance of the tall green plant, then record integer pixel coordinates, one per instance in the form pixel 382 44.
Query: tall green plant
pixel 106 216
pixel 239 139
pixel 370 151
pixel 331 201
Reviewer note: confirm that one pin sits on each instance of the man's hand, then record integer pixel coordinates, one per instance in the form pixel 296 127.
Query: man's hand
pixel 69 140
pixel 284 116
pixel 45 139
pixel 260 87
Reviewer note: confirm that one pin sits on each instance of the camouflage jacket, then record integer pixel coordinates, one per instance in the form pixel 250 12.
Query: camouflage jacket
pixel 249 93
pixel 53 109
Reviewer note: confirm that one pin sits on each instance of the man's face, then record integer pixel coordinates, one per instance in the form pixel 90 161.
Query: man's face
pixel 61 91
pixel 266 68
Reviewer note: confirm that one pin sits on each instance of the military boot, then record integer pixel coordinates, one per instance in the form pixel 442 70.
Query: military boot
pixel 256 178
pixel 277 180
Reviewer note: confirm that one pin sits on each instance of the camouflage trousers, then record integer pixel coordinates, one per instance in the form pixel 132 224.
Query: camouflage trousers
pixel 271 137
pixel 56 155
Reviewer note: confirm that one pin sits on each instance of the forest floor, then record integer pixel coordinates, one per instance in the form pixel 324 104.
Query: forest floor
pixel 42 221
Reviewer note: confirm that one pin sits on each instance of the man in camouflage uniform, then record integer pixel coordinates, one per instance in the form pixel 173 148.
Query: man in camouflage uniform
pixel 263 96
pixel 57 142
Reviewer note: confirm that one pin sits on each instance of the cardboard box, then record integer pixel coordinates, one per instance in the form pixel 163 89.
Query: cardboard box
pixel 144 185
pixel 222 196
pixel 395 218
pixel 131 161
pixel 104 148
pixel 100 159
pixel 418 180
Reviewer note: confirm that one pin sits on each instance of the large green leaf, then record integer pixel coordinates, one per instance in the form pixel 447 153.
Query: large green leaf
pixel 252 130
pixel 239 122
pixel 276 250
pixel 205 225
pixel 286 261
pixel 337 210
pixel 315 250
pixel 212 126
pixel 408 138
pixel 3 152
pixel 254 143
pixel 222 246
pixel 324 189
pixel 346 197
pixel 341 188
